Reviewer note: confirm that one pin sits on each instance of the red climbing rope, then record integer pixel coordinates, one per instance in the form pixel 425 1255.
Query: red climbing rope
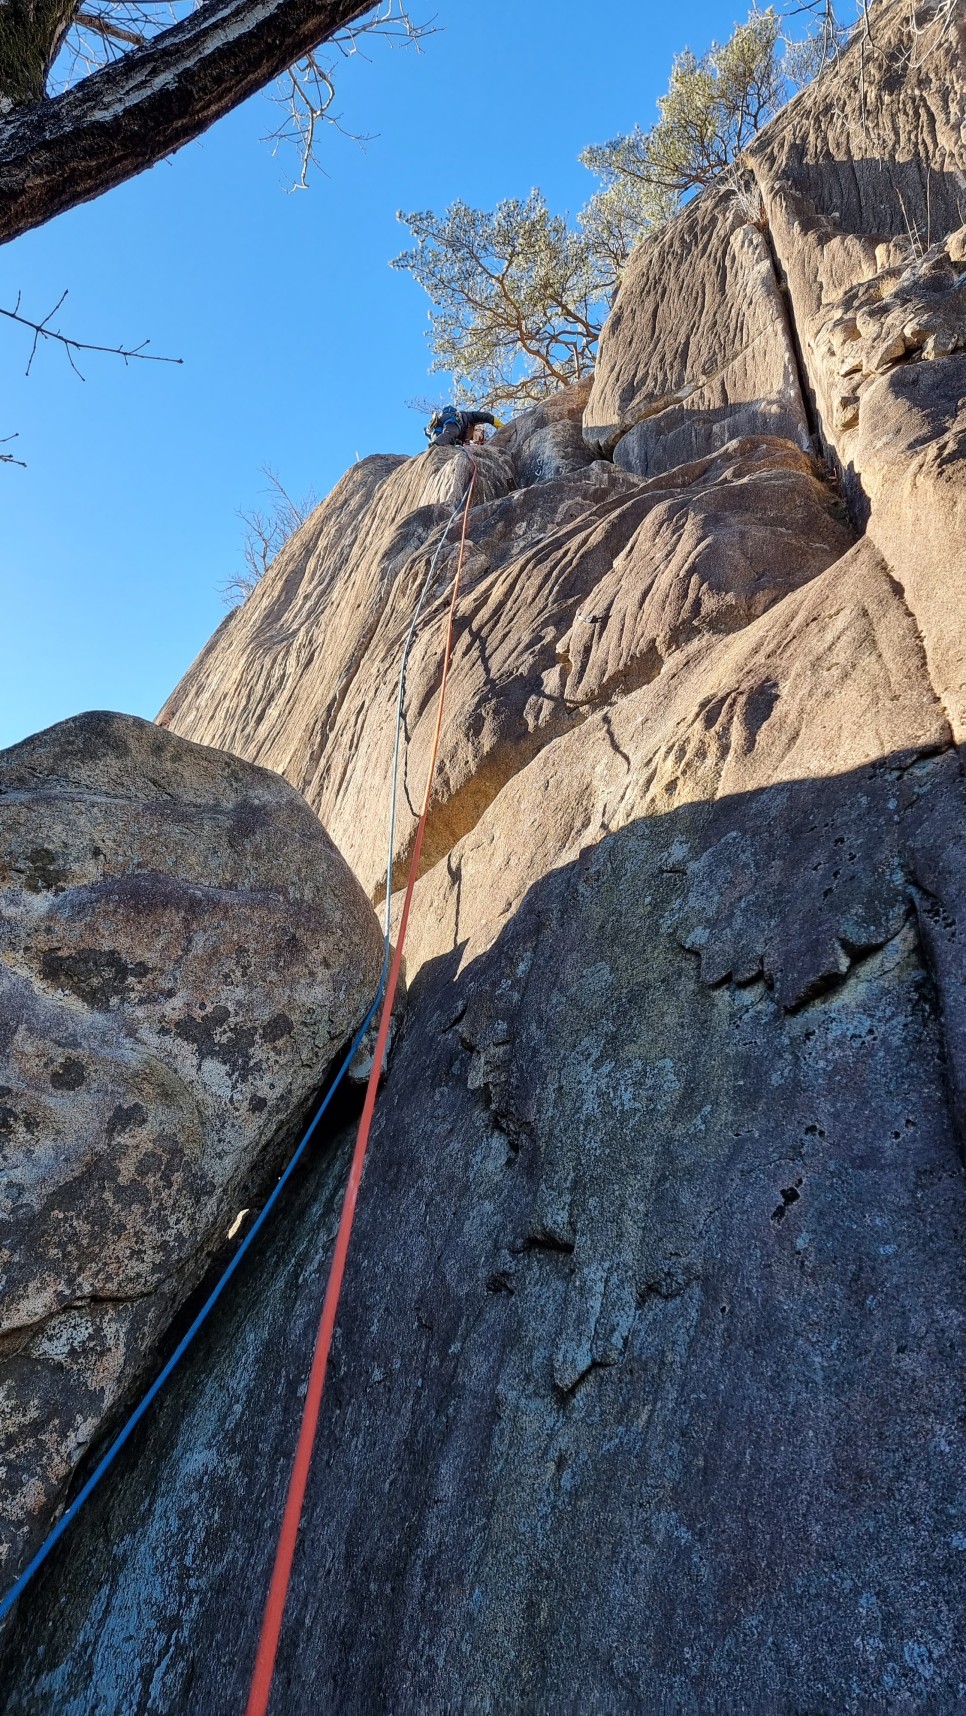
pixel 261 1686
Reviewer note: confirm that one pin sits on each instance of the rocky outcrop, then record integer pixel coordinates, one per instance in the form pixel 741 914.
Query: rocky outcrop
pixel 548 441
pixel 576 588
pixel 647 1391
pixel 831 255
pixel 910 454
pixel 860 175
pixel 182 954
pixel 697 349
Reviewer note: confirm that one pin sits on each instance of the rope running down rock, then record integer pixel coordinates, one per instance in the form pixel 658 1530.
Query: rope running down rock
pixel 261 1686
pixel 124 1434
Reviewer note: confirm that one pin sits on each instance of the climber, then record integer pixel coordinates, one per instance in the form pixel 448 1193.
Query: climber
pixel 452 428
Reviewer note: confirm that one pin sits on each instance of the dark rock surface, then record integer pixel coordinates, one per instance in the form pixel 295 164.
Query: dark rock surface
pixel 648 1387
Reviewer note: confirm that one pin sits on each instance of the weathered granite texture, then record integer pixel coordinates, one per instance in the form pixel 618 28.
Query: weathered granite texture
pixel 575 588
pixel 859 176
pixel 648 1386
pixel 548 441
pixel 910 455
pixel 182 954
pixel 834 252
pixel 699 314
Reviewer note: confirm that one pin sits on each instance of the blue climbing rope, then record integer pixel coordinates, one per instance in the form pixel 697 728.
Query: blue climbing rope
pixel 107 1460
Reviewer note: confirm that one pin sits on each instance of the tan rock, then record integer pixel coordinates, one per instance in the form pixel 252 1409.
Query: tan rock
pixel 580 586
pixel 696 350
pixel 831 679
pixel 182 954
pixel 861 175
pixel 910 454
pixel 548 441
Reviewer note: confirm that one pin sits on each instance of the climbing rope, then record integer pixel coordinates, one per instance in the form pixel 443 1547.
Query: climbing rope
pixel 264 1670
pixel 67 1518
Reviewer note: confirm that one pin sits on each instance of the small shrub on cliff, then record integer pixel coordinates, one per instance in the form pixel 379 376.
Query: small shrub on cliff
pixel 712 110
pixel 267 529
pixel 517 296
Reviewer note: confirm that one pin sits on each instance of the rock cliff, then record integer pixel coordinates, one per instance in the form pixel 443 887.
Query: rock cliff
pixel 648 1385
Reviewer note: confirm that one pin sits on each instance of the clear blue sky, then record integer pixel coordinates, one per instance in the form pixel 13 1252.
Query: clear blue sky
pixel 300 346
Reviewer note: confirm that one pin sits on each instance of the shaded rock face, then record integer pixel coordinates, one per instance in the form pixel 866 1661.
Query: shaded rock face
pixel 647 1392
pixel 182 953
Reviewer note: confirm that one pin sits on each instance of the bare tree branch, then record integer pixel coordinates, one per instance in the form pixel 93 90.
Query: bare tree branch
pixel 43 331
pixel 306 93
pixel 104 25
pixel 265 533
pixel 8 458
pixel 57 153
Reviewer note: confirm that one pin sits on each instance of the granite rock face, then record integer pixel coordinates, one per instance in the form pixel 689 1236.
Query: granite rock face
pixel 833 253
pixel 182 954
pixel 909 453
pixel 548 441
pixel 575 588
pixel 648 1386
pixel 697 350
pixel 859 181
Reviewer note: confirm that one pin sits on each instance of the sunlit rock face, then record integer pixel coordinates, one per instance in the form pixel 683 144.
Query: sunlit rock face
pixel 647 1389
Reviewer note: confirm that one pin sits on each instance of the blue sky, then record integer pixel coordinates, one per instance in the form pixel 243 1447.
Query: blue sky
pixel 300 345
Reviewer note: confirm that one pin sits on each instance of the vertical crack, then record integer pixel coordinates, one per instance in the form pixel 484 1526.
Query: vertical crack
pixel 791 329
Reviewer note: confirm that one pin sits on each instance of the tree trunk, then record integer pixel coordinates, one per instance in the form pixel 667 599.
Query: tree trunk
pixel 54 154
pixel 31 32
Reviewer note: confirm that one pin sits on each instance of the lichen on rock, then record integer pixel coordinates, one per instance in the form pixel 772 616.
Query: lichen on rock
pixel 182 954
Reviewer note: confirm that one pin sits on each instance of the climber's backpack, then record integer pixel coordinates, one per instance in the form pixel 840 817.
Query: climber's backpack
pixel 441 420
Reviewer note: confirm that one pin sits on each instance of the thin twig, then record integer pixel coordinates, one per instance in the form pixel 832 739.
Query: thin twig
pixel 43 331
pixel 8 458
pixel 107 27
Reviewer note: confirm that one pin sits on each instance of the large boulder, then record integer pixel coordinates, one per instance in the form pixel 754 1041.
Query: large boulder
pixel 548 441
pixel 182 954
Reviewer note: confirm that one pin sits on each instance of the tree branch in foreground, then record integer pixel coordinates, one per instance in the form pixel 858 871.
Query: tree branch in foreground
pixel 110 126
pixel 43 331
pixel 8 458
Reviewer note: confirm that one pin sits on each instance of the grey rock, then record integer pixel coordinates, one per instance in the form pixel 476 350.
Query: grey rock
pixel 182 954
pixel 647 1391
